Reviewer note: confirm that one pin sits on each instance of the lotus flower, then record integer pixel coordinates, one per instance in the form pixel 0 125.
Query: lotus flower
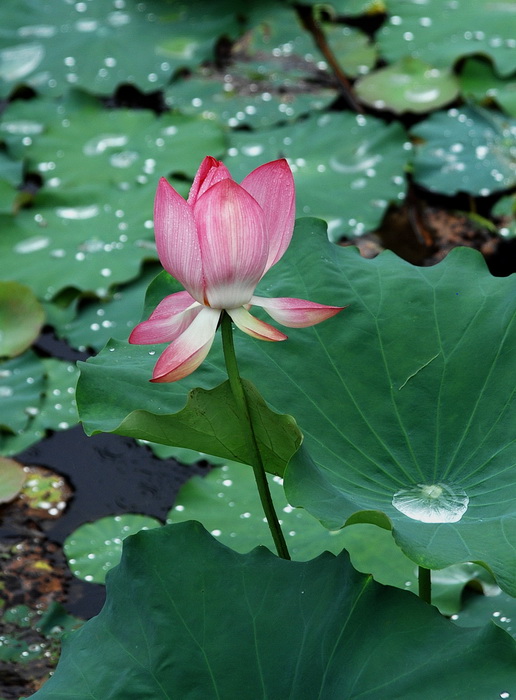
pixel 219 244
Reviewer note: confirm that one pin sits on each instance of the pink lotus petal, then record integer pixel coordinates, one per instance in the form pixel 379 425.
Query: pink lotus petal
pixel 253 326
pixel 296 313
pixel 176 239
pixel 272 185
pixel 168 320
pixel 233 243
pixel 209 173
pixel 188 351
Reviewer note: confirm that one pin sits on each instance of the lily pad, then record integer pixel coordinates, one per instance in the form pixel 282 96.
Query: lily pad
pixel 21 318
pixel 226 502
pixel 262 108
pixel 411 337
pixel 408 86
pixel 177 578
pixel 92 222
pixel 95 548
pixel 12 478
pixel 442 33
pixel 21 385
pixel 97 321
pixel 465 150
pixel 97 46
pixel 478 80
pixel 347 168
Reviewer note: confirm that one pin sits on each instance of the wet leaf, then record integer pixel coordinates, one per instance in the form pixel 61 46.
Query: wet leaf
pixel 21 318
pixel 91 226
pixel 410 85
pixel 347 168
pixel 95 548
pixel 227 503
pixel 441 33
pixel 177 577
pixel 97 321
pixel 262 108
pixel 478 80
pixel 467 150
pixel 21 386
pixel 97 46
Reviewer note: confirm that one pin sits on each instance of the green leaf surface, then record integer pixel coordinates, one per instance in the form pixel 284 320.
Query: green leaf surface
pixel 299 630
pixel 21 318
pixel 410 85
pixel 347 168
pixel 439 338
pixel 210 422
pixel 12 478
pixel 442 32
pixel 95 548
pixel 92 221
pixel 227 504
pixel 97 45
pixel 478 80
pixel 21 386
pixel 467 150
pixel 99 320
pixel 262 108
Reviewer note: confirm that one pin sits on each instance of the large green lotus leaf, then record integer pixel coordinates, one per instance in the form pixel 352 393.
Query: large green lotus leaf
pixel 347 168
pixel 95 548
pixel 21 318
pixel 442 32
pixel 187 617
pixel 79 147
pixel 410 85
pixel 226 502
pixel 206 96
pixel 92 224
pixel 498 607
pixel 477 79
pixel 96 321
pixel 22 381
pixel 42 403
pixel 58 410
pixel 468 150
pixel 412 384
pixel 97 45
pixel 61 245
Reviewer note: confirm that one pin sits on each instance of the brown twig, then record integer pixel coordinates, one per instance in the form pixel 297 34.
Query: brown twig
pixel 306 16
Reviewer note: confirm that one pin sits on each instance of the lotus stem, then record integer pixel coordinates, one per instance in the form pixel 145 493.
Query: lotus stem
pixel 425 584
pixel 260 476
